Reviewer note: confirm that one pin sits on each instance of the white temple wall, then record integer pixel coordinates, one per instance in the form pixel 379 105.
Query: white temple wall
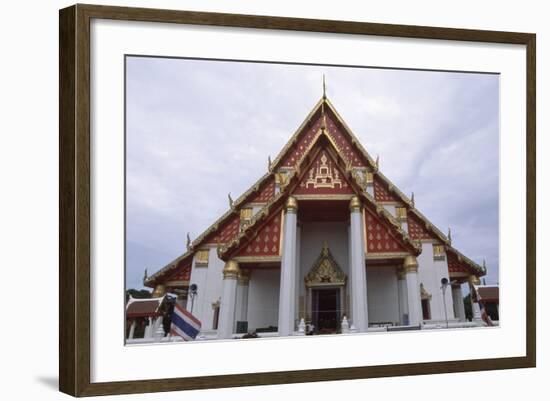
pixel 382 297
pixel 209 281
pixel 263 298
pixel 430 273
pixel 312 237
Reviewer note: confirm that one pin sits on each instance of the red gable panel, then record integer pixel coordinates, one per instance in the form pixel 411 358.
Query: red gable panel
pixel 382 194
pixel 324 177
pixel 226 232
pixel 267 240
pixel 182 271
pixel 380 238
pixel 338 136
pixel 299 148
pixel 455 266
pixel 265 193
pixel 344 145
pixel 417 229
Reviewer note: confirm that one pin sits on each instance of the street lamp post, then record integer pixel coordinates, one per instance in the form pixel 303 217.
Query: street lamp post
pixel 444 284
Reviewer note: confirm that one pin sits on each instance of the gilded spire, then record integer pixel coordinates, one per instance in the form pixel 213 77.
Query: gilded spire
pixel 324 88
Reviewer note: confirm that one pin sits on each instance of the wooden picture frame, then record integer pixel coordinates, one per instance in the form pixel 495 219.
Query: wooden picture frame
pixel 74 204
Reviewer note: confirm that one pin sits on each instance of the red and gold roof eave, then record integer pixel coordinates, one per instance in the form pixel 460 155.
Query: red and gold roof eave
pixel 471 266
pixel 157 278
pixel 250 229
pixel 323 105
pixel 414 247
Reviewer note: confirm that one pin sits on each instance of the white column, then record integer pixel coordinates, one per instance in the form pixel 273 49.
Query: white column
pixel 158 328
pixel 149 329
pixel 360 318
pixel 410 265
pixel 132 330
pixel 476 310
pixel 228 302
pixel 402 297
pixel 297 281
pixel 242 295
pixel 458 303
pixel 287 300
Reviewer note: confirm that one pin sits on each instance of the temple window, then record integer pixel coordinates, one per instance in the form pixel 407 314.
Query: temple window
pixel 401 212
pixel 201 257
pixel 439 252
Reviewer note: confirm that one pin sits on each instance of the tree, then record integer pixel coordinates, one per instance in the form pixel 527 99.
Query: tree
pixel 140 294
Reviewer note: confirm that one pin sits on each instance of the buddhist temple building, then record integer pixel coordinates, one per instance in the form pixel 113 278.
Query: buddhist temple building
pixel 322 243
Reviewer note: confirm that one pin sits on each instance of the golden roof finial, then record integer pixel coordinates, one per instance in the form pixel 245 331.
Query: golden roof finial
pixel 324 88
pixel 230 200
pixel 412 199
pixel 188 242
pixel 377 162
pixel 269 163
pixel 449 236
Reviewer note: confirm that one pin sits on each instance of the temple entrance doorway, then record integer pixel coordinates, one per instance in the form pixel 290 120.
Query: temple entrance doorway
pixel 326 310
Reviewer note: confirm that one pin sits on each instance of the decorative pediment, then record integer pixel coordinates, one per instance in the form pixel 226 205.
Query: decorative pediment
pixel 423 293
pixel 325 271
pixel 323 176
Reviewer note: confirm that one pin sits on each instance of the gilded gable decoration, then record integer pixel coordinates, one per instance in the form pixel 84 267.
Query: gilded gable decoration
pixel 423 293
pixel 324 175
pixel 325 271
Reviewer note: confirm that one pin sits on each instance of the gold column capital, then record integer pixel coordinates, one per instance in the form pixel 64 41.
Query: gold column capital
pixel 159 291
pixel 400 273
pixel 244 276
pixel 355 204
pixel 410 264
pixel 474 280
pixel 231 269
pixel 291 204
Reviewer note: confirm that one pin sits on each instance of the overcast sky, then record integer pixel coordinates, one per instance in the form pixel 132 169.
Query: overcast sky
pixel 197 130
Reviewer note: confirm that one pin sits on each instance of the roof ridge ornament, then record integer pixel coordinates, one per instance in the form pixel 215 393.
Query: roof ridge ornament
pixel 269 163
pixel 230 200
pixel 412 199
pixel 449 236
pixel 324 88
pixel 188 242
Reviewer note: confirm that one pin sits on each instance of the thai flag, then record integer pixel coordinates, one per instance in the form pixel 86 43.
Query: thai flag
pixel 184 324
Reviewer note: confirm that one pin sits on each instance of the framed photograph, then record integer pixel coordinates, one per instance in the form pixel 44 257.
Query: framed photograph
pixel 249 200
